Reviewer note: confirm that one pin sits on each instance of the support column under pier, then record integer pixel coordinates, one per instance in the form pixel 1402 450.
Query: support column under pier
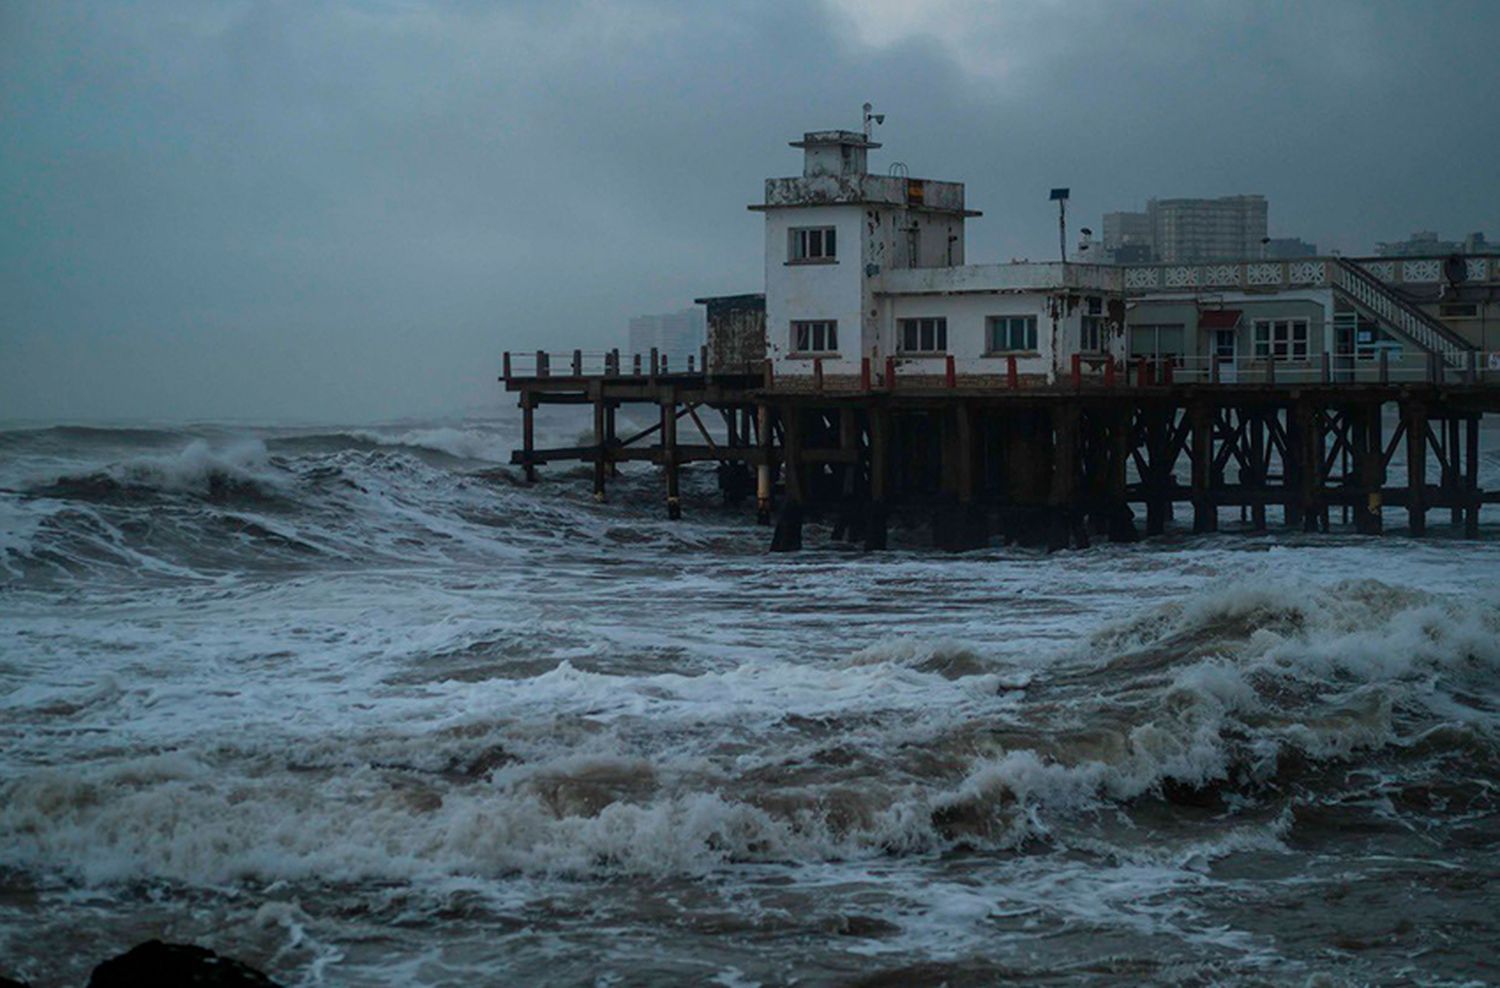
pixel 601 445
pixel 1205 514
pixel 763 468
pixel 877 513
pixel 788 534
pixel 1064 518
pixel 669 452
pixel 528 436
pixel 1121 526
pixel 1369 468
pixel 1414 415
pixel 1472 500
pixel 962 526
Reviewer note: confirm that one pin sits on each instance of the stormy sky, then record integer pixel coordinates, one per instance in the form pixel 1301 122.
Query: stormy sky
pixel 346 211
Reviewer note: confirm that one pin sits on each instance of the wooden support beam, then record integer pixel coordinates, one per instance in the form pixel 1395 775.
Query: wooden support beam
pixel 528 436
pixel 880 465
pixel 601 441
pixel 1258 471
pixel 966 451
pixel 1471 477
pixel 1414 417
pixel 693 414
pixel 1122 439
pixel 669 415
pixel 1205 516
pixel 1296 459
pixel 610 432
pixel 1064 521
pixel 1158 478
pixel 1454 478
pixel 763 469
pixel 788 534
pixel 1369 468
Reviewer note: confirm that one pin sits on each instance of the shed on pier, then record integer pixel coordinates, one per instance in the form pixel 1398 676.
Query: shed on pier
pixel 736 332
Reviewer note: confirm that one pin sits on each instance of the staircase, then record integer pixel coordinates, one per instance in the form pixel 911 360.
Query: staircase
pixel 1369 295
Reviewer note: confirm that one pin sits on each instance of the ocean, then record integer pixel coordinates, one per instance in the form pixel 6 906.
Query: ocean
pixel 359 707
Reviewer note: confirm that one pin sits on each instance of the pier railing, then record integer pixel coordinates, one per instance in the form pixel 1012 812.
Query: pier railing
pixel 1473 368
pixel 1382 367
pixel 599 363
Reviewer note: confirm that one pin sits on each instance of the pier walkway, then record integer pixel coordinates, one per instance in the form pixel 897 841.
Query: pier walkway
pixel 1305 445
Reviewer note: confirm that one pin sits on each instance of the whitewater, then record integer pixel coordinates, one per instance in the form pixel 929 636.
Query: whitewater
pixel 359 707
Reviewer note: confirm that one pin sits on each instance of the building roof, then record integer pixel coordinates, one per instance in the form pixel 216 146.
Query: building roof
pixel 824 138
pixel 747 300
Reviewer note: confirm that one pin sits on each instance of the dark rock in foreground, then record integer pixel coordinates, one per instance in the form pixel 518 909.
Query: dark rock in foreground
pixel 170 965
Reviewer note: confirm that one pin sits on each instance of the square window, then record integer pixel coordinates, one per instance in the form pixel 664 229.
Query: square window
pixel 1281 339
pixel 1012 334
pixel 812 244
pixel 923 335
pixel 815 336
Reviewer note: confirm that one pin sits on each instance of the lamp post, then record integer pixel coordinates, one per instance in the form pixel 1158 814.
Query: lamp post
pixel 1060 196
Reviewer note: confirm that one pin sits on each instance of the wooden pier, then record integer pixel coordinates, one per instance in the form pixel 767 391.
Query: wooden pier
pixel 1108 453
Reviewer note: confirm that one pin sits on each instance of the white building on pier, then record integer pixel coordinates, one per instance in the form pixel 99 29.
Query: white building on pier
pixel 865 267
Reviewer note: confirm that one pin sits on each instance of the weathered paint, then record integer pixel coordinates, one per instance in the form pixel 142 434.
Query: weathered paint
pixel 736 332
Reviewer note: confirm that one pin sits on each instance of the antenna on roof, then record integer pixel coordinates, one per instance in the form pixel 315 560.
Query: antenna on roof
pixel 869 116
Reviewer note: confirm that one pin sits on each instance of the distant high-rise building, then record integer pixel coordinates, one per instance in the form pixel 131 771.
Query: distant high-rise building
pixel 676 335
pixel 1127 238
pixel 1194 230
pixel 1286 248
pixel 1425 243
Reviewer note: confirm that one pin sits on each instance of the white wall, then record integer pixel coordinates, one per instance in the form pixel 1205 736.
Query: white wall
pixel 967 317
pixel 814 291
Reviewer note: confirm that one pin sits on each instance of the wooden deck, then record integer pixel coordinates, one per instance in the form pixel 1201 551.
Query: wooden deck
pixel 1102 455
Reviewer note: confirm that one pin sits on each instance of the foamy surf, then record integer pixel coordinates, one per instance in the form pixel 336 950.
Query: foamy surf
pixel 364 709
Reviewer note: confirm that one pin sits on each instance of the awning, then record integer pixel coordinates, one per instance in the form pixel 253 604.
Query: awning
pixel 1219 318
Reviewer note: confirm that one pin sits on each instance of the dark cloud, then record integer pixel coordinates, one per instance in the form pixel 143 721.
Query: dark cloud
pixel 287 210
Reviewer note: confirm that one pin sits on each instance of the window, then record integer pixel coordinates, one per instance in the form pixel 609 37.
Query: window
pixel 1284 339
pixel 1008 334
pixel 1458 310
pixel 1158 340
pixel 813 244
pixel 815 336
pixel 923 335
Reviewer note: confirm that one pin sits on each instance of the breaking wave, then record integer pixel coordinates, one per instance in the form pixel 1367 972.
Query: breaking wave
pixel 362 680
pixel 239 470
pixel 212 505
pixel 1252 701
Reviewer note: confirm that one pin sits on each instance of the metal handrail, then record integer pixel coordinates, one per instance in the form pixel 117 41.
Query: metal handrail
pixel 1371 293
